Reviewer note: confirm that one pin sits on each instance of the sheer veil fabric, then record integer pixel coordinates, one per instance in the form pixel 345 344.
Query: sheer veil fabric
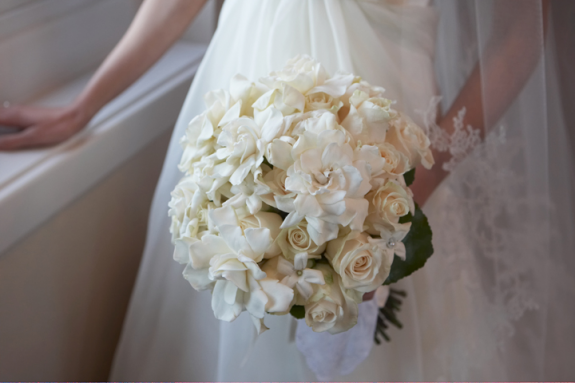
pixel 495 301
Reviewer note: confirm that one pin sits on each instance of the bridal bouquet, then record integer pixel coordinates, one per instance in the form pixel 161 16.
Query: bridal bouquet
pixel 296 196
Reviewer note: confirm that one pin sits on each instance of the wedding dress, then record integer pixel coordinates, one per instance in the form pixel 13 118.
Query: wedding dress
pixel 479 309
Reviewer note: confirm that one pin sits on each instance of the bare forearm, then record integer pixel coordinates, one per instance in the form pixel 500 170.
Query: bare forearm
pixel 508 61
pixel 157 25
pixel 497 80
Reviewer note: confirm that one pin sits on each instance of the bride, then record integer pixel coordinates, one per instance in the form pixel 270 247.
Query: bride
pixel 493 303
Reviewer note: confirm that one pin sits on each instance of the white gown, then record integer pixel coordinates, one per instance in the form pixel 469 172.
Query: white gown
pixel 170 332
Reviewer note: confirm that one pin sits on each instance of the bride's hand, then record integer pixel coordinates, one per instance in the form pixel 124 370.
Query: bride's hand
pixel 368 296
pixel 426 181
pixel 143 44
pixel 39 127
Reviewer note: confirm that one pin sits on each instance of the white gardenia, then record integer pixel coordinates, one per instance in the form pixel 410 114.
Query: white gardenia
pixel 292 194
pixel 329 185
pixel 230 259
pixel 368 118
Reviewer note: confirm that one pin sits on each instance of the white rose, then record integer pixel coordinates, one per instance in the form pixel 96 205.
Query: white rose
pixel 322 101
pixel 360 260
pixel 330 308
pixel 243 219
pixel 409 139
pixel 368 118
pixel 396 163
pixel 296 239
pixel 388 203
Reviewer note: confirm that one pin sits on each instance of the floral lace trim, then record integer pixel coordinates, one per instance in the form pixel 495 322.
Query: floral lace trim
pixel 490 232
pixel 459 144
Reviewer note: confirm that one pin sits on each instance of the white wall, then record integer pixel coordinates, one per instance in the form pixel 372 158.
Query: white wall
pixel 65 288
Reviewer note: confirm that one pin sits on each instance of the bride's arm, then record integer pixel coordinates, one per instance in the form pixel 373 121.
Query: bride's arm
pixel 157 25
pixel 510 58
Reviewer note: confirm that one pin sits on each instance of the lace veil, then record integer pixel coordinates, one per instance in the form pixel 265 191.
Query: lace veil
pixel 497 298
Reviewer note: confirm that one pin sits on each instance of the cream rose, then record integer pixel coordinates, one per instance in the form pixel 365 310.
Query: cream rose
pixel 409 139
pixel 396 163
pixel 322 101
pixel 388 203
pixel 296 239
pixel 330 309
pixel 243 219
pixel 360 260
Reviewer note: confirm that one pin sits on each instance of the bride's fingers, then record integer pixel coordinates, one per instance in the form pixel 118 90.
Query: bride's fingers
pixel 368 296
pixel 27 138
pixel 15 116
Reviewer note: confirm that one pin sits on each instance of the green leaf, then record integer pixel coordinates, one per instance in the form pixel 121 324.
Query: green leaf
pixel 409 177
pixel 406 218
pixel 298 312
pixel 268 163
pixel 417 245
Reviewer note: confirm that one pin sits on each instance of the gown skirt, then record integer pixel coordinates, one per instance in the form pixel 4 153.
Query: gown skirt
pixel 170 332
